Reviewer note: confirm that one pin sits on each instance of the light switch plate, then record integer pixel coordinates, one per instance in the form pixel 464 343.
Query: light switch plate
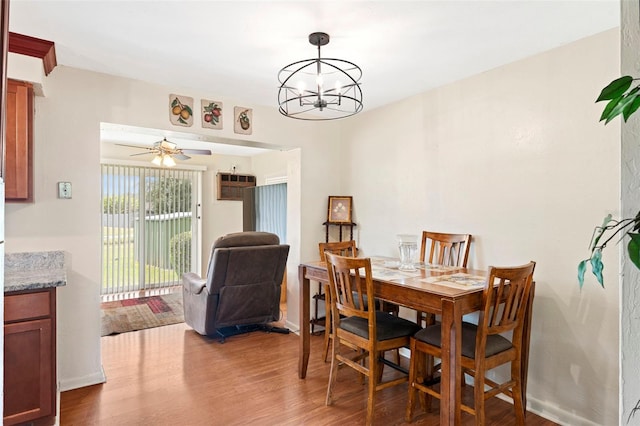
pixel 64 189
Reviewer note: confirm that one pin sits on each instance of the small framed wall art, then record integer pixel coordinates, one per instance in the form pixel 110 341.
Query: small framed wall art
pixel 180 110
pixel 339 209
pixel 211 114
pixel 242 120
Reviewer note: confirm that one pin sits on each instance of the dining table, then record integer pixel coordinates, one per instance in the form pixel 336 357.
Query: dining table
pixel 450 292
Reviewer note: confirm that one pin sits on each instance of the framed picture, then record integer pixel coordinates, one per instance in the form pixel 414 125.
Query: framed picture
pixel 211 114
pixel 339 209
pixel 180 110
pixel 242 120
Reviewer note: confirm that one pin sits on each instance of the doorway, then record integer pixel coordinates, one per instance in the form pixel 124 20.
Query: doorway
pixel 150 227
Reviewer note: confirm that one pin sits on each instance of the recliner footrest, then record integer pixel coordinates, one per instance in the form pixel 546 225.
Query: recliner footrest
pixel 225 332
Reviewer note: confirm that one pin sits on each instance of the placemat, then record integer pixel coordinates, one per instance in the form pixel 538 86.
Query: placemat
pixel 458 280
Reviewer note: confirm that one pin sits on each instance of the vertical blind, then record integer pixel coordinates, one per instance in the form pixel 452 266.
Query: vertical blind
pixel 149 223
pixel 265 209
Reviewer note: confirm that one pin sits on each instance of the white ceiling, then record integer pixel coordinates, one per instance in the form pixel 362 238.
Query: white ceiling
pixel 235 49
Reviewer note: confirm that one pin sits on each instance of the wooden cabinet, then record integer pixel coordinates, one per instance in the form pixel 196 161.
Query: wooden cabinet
pixel 30 357
pixel 19 142
pixel 230 185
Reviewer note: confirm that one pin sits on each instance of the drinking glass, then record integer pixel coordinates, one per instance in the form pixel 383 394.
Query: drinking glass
pixel 408 245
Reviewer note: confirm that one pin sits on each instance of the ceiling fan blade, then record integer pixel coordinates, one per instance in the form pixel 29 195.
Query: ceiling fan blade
pixel 180 156
pixel 141 153
pixel 197 151
pixel 135 146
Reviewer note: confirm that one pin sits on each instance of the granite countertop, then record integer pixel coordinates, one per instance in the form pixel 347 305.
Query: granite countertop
pixel 34 270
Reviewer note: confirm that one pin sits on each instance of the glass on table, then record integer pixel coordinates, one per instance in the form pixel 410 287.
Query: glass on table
pixel 408 246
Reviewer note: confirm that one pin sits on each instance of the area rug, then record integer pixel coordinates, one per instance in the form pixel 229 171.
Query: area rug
pixel 122 316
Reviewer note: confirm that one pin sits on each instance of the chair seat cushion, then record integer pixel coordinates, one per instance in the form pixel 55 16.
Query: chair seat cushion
pixel 387 325
pixel 495 343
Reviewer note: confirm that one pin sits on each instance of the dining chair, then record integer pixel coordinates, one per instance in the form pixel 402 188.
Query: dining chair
pixel 446 250
pixel 359 325
pixel 342 248
pixel 348 249
pixel 506 298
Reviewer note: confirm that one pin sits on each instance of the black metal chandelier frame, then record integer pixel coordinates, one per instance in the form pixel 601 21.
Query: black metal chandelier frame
pixel 341 101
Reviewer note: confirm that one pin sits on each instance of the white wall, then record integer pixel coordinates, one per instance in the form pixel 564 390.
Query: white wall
pixel 219 217
pixel 67 148
pixel 270 165
pixel 516 157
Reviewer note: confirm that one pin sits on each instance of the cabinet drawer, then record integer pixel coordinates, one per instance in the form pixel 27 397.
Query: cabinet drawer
pixel 19 307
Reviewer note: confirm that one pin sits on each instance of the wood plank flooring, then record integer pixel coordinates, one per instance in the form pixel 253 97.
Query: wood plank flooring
pixel 173 376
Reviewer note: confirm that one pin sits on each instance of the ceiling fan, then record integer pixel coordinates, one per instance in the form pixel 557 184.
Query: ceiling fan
pixel 165 152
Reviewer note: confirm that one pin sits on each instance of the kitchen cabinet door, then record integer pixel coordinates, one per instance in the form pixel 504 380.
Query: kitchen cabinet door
pixel 19 142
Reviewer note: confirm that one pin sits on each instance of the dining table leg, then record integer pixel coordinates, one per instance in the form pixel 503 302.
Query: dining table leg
pixel 451 373
pixel 526 341
pixel 305 316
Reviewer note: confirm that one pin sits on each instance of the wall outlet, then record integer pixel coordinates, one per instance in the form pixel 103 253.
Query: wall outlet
pixel 64 190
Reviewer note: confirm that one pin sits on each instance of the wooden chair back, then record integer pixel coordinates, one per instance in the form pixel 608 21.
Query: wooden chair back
pixel 342 248
pixel 506 296
pixel 445 249
pixel 351 285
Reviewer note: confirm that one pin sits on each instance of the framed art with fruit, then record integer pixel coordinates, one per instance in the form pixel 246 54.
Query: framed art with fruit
pixel 242 120
pixel 180 110
pixel 211 114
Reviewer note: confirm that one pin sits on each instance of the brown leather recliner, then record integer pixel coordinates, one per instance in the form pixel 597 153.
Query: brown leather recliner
pixel 242 289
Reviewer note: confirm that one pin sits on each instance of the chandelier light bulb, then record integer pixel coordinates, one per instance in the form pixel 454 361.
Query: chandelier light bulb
pixel 157 160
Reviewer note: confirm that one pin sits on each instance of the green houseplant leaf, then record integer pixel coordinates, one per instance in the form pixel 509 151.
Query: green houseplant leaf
pixel 633 248
pixel 616 88
pixel 631 108
pixel 624 102
pixel 582 268
pixel 610 106
pixel 597 266
pixel 599 231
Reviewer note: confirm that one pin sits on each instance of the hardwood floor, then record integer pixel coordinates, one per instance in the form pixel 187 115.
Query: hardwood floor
pixel 173 376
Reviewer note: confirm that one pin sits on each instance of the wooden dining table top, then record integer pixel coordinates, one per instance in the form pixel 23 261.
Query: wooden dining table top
pixel 413 289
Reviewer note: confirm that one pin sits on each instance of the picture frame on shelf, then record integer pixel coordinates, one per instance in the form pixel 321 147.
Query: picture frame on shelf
pixel 339 209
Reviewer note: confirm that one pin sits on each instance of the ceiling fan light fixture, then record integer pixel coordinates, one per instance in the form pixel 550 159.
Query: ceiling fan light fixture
pixel 168 161
pixel 320 88
pixel 166 153
pixel 157 160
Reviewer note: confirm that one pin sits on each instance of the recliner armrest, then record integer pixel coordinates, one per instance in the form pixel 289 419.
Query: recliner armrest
pixel 193 283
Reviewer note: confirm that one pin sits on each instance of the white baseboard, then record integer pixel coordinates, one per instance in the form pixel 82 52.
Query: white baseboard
pixel 541 408
pixel 80 382
pixel 293 327
pixel 554 413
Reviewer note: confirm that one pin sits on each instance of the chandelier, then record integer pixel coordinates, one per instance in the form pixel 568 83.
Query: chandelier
pixel 320 88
